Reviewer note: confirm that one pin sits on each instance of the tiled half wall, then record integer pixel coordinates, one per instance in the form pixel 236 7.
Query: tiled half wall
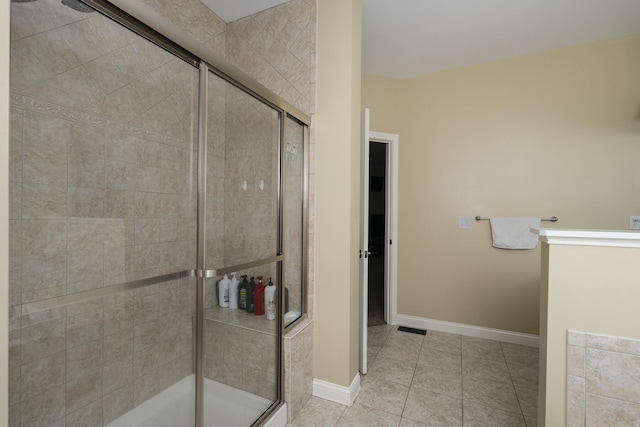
pixel 603 380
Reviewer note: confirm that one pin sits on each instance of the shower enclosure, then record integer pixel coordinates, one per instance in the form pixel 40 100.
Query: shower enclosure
pixel 142 172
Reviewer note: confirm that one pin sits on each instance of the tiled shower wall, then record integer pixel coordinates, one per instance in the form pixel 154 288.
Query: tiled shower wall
pixel 603 380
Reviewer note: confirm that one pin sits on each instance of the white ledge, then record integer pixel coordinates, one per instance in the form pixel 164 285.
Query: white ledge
pixel 612 238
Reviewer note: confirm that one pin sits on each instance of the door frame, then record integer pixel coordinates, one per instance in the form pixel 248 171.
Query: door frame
pixel 391 251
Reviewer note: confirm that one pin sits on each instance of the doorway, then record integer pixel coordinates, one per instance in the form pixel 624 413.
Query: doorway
pixel 377 233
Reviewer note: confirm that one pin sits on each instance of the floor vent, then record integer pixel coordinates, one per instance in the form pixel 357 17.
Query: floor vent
pixel 412 330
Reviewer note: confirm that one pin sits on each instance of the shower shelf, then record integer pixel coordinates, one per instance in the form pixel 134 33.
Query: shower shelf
pixel 241 319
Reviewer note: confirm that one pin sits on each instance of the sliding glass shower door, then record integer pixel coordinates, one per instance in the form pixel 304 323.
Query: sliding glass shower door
pixel 139 177
pixel 103 218
pixel 242 222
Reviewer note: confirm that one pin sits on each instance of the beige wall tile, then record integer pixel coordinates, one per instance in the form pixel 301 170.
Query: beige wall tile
pixel 83 390
pixel 44 408
pixel 42 375
pixel 118 402
pixel 90 415
pixel 46 132
pixel 44 167
pixel 614 375
pixel 43 201
pixel 85 202
pixel 576 360
pixel 605 411
pixel 575 401
pixel 42 236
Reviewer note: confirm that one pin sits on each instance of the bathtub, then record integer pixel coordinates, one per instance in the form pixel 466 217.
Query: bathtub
pixel 223 406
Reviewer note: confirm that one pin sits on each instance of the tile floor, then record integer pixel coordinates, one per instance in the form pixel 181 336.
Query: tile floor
pixel 436 380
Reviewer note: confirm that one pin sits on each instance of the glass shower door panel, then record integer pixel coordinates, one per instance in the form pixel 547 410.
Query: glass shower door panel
pixel 241 346
pixel 294 238
pixel 242 363
pixel 243 137
pixel 103 218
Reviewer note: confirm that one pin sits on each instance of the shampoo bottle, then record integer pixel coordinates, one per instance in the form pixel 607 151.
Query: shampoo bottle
pixel 218 291
pixel 224 292
pixel 242 293
pixel 233 292
pixel 270 300
pixel 258 298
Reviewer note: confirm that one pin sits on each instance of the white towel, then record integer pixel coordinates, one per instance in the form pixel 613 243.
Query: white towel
pixel 513 233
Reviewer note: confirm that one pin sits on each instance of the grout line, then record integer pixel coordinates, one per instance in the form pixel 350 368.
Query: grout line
pixel 512 383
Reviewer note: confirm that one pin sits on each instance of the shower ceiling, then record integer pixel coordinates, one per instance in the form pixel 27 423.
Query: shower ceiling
pixel 232 10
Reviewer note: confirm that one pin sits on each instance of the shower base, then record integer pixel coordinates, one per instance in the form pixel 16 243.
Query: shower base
pixel 223 406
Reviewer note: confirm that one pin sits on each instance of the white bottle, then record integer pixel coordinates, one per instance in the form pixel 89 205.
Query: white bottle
pixel 224 291
pixel 233 292
pixel 270 300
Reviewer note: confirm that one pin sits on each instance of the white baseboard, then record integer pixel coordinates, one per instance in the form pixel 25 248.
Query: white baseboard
pixel 469 330
pixel 337 393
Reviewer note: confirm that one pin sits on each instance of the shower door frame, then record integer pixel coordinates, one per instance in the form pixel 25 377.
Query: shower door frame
pixel 152 27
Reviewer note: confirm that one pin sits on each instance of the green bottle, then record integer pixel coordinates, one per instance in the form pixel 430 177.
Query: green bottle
pixel 250 288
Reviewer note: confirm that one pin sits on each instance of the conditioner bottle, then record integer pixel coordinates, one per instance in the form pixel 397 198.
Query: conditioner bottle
pixel 270 300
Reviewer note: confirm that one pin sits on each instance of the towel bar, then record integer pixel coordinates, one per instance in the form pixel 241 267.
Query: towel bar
pixel 552 219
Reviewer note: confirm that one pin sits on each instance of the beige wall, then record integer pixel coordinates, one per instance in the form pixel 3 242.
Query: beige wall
pixel 380 94
pixel 588 290
pixel 548 134
pixel 337 191
pixel 4 213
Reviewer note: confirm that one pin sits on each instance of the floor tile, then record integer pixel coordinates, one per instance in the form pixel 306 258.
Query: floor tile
pixel 489 369
pixel 440 359
pixel 433 409
pixel 400 353
pixel 447 382
pixel 361 416
pixel 382 395
pixel 406 422
pixel 319 413
pixel 440 379
pixel 378 334
pixel 520 353
pixel 496 394
pixel 528 371
pixel 482 348
pixel 475 415
pixel 527 393
pixel 392 370
pixel 442 341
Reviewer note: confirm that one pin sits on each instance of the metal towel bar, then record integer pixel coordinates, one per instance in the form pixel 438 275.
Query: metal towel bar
pixel 552 219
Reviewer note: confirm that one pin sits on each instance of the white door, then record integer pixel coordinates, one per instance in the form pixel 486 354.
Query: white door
pixel 364 239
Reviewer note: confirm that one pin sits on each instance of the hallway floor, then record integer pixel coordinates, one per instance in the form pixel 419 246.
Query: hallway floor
pixel 436 380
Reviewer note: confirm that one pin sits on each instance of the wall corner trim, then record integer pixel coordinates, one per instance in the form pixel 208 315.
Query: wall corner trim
pixel 469 330
pixel 337 393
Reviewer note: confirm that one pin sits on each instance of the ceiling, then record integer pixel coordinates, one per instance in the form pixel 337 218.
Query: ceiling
pixel 406 38
pixel 232 10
